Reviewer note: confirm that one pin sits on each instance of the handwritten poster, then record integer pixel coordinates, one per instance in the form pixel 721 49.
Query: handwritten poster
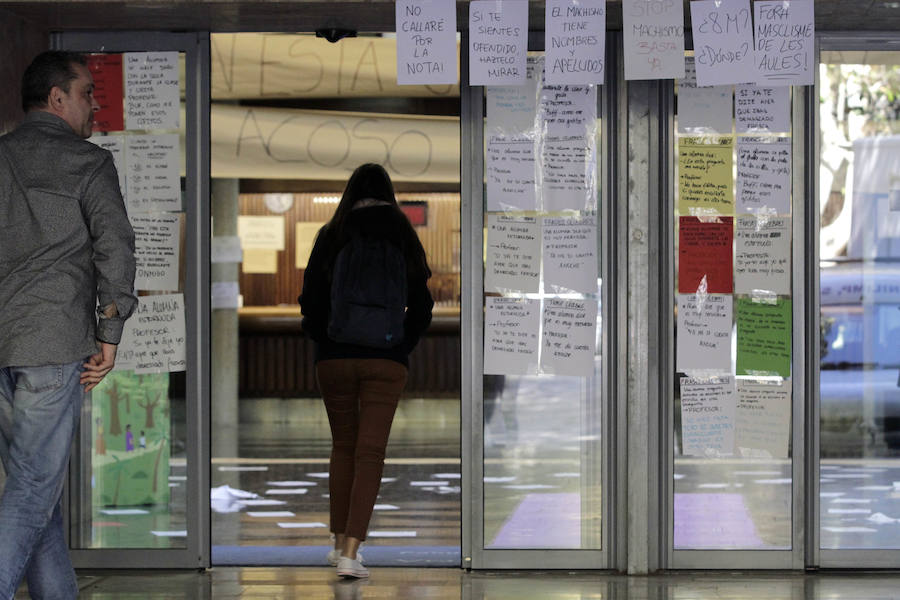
pixel 704 255
pixel 513 254
pixel 426 42
pixel 261 232
pixel 707 416
pixel 152 94
pixel 763 337
pixel 575 41
pixel 106 70
pixel 512 110
pixel 157 243
pixel 705 185
pixel 702 110
pixel 569 337
pixel 723 42
pixel 762 256
pixel 116 146
pixel 570 255
pixel 153 176
pixel 511 342
pixel 511 138
pixel 498 41
pixel 762 109
pixel 510 173
pixel 764 175
pixel 654 39
pixel 704 333
pixel 763 419
pixel 567 147
pixel 785 39
pixel 153 340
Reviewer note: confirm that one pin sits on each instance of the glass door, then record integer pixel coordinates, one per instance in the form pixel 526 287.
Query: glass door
pixel 857 262
pixel 537 447
pixel 139 487
pixel 735 414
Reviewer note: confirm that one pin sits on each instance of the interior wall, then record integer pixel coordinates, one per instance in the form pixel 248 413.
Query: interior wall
pixel 20 41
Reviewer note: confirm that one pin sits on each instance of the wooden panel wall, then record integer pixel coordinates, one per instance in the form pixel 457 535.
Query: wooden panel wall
pixel 440 237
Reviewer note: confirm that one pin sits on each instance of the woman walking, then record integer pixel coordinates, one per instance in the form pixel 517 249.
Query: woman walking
pixel 365 303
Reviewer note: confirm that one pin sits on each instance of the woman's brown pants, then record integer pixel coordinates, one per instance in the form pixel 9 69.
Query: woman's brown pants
pixel 361 397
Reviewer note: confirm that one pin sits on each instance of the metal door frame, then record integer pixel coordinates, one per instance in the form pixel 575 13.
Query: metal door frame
pixel 793 558
pixel 474 555
pixel 823 557
pixel 196 553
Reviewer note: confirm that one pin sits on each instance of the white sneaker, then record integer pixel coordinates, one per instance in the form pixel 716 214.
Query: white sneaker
pixel 347 567
pixel 335 555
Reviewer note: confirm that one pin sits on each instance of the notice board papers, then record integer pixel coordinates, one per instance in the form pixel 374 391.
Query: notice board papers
pixel 153 340
pixel 707 416
pixel 764 337
pixel 704 333
pixel 763 419
pixel 569 337
pixel 513 254
pixel 511 327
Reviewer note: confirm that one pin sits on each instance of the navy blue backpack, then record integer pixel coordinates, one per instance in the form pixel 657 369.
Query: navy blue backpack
pixel 368 294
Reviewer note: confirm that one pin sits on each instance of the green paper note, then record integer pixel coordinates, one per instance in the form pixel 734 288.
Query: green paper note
pixel 763 338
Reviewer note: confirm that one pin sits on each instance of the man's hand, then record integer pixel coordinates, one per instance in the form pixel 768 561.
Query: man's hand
pixel 98 365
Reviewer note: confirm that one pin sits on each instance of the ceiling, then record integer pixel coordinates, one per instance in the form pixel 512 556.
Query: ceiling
pixel 374 15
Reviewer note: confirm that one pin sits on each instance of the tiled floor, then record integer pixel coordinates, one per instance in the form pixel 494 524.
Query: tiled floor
pixel 447 584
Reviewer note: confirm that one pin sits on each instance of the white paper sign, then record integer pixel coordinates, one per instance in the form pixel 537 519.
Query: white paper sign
pixel 763 419
pixel 152 95
pixel 426 42
pixel 498 41
pixel 512 110
pixel 654 39
pixel 153 175
pixel 763 109
pixel 509 170
pixel 764 175
pixel 157 243
pixel 567 147
pixel 569 337
pixel 785 37
pixel 511 328
pixel 513 254
pixel 707 416
pixel 511 131
pixel 261 232
pixel 702 110
pixel 723 42
pixel 762 255
pixel 570 255
pixel 704 333
pixel 116 146
pixel 153 340
pixel 575 41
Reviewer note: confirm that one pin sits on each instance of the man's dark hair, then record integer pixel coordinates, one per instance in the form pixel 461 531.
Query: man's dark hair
pixel 49 69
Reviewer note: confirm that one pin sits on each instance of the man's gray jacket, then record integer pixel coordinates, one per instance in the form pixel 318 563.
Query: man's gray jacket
pixel 65 242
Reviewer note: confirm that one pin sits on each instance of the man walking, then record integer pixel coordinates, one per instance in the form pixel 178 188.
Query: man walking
pixel 66 288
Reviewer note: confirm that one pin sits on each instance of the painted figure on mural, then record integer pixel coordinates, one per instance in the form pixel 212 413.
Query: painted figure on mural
pixel 66 288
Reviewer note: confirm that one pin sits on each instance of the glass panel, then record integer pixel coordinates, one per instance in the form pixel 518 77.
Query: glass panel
pixel 299 140
pixel 859 248
pixel 732 240
pixel 133 492
pixel 542 356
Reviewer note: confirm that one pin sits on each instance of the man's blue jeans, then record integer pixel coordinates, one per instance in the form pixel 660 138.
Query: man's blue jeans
pixel 39 412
